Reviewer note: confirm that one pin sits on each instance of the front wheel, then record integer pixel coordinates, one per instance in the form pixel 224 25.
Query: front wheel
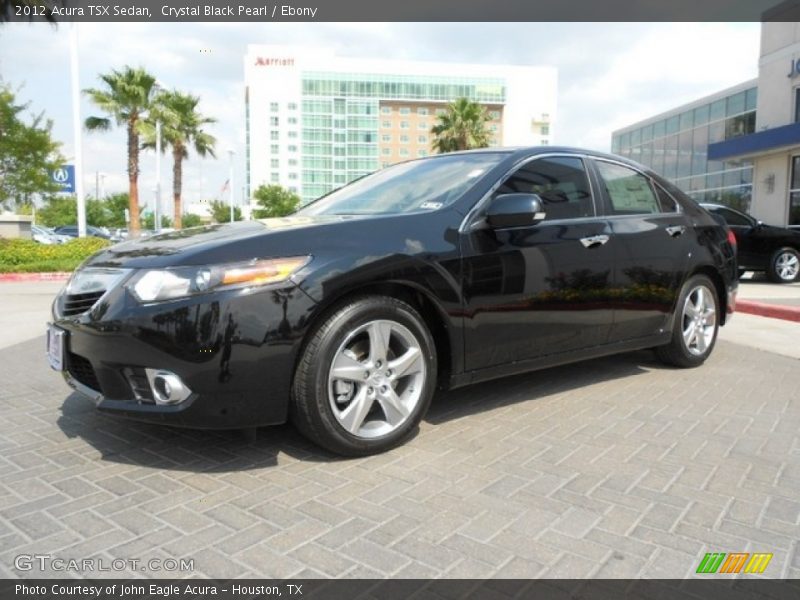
pixel 784 266
pixel 695 325
pixel 366 377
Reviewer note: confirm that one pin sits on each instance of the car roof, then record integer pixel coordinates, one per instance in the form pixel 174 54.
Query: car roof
pixel 524 151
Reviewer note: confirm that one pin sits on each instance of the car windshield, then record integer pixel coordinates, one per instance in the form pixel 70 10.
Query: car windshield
pixel 420 185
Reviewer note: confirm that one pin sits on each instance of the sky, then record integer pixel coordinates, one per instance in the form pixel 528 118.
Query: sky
pixel 610 75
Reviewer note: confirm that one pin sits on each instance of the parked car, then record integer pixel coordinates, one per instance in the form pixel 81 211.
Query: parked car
pixel 761 247
pixel 72 231
pixel 438 272
pixel 43 235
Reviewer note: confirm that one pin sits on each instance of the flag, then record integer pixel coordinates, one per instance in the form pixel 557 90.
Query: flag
pixel 225 187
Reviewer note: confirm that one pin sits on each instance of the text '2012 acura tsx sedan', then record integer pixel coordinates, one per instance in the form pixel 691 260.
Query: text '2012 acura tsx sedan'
pixel 439 272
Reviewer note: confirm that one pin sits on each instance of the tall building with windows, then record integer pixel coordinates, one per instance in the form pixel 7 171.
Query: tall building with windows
pixel 316 121
pixel 675 145
pixel 741 146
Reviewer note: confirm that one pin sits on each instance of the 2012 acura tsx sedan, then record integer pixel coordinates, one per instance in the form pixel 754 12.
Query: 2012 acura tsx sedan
pixel 439 272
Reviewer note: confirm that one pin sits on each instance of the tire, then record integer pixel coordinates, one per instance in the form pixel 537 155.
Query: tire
pixel 698 305
pixel 371 407
pixel 784 266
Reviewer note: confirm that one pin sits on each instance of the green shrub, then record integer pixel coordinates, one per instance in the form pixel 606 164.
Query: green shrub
pixel 17 255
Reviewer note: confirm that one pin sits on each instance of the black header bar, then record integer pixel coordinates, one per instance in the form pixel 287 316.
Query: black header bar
pixel 261 11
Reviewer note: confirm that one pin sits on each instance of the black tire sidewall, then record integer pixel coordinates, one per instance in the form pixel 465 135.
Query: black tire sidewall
pixel 773 270
pixel 333 333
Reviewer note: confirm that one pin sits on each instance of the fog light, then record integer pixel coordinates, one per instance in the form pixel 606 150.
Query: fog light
pixel 167 387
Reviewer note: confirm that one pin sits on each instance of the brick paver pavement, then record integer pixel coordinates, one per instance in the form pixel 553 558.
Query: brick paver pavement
pixel 610 468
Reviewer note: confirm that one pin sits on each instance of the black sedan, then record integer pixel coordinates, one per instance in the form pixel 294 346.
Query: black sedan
pixel 439 272
pixel 775 250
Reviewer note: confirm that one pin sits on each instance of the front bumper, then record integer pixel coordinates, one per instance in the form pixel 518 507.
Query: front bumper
pixel 235 350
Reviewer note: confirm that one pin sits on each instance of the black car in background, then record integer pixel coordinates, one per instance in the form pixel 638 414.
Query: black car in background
pixel 761 247
pixel 433 273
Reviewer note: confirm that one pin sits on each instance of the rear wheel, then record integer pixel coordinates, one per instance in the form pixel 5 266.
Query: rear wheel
pixel 695 326
pixel 784 266
pixel 366 377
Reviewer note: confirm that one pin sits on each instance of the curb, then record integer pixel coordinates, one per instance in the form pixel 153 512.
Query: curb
pixel 57 276
pixel 773 311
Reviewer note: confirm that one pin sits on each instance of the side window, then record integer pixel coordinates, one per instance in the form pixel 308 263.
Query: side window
pixel 560 182
pixel 667 203
pixel 629 191
pixel 732 217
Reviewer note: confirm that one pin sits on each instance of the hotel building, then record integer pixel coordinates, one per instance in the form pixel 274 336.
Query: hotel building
pixel 316 121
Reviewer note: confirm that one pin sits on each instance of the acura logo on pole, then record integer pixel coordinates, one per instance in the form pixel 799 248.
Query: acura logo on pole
pixel 64 177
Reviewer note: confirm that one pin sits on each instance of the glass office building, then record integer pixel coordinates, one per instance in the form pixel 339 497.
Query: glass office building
pixel 316 121
pixel 675 145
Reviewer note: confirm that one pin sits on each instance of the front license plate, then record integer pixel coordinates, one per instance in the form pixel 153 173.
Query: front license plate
pixel 55 347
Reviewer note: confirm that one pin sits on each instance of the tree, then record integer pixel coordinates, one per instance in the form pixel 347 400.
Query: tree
pixel 181 127
pixel 462 127
pixel 63 210
pixel 192 220
pixel 149 221
pixel 115 206
pixel 58 210
pixel 27 153
pixel 275 201
pixel 221 212
pixel 126 97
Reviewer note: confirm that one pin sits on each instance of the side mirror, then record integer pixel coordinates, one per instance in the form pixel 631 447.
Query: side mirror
pixel 515 210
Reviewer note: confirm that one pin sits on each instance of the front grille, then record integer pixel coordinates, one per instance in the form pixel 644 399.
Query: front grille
pixel 82 371
pixel 75 304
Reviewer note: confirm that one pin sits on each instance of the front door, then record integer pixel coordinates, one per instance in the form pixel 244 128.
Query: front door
pixel 539 290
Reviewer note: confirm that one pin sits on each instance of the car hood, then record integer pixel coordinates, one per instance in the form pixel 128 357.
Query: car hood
pixel 232 242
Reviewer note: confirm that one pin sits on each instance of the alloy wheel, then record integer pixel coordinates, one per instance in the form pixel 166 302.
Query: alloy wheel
pixel 376 378
pixel 699 320
pixel 787 266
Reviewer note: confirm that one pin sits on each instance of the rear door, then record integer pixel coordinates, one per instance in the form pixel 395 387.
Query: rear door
pixel 653 242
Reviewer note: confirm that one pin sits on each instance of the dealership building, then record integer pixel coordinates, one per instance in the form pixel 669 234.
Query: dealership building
pixel 740 146
pixel 316 121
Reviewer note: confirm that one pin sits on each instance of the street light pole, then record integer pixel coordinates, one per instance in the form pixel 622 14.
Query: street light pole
pixel 157 211
pixel 230 180
pixel 74 68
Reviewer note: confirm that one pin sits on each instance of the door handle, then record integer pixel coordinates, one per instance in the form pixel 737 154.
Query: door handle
pixel 594 240
pixel 675 230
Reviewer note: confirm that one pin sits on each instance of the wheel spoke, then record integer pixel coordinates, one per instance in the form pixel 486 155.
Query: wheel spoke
pixel 701 339
pixel 407 364
pixel 691 309
pixel 347 368
pixel 380 333
pixel 393 407
pixel 353 416
pixel 700 302
pixel 689 334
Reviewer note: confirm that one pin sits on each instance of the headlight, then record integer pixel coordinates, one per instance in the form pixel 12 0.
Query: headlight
pixel 180 282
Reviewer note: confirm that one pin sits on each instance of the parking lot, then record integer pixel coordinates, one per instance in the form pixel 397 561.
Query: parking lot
pixel 617 467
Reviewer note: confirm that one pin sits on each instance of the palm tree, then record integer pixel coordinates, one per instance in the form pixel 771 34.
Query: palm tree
pixel 181 127
pixel 462 127
pixel 125 99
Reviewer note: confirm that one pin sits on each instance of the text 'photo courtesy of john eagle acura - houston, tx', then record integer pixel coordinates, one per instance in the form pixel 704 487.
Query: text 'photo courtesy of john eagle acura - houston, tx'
pixel 345 317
